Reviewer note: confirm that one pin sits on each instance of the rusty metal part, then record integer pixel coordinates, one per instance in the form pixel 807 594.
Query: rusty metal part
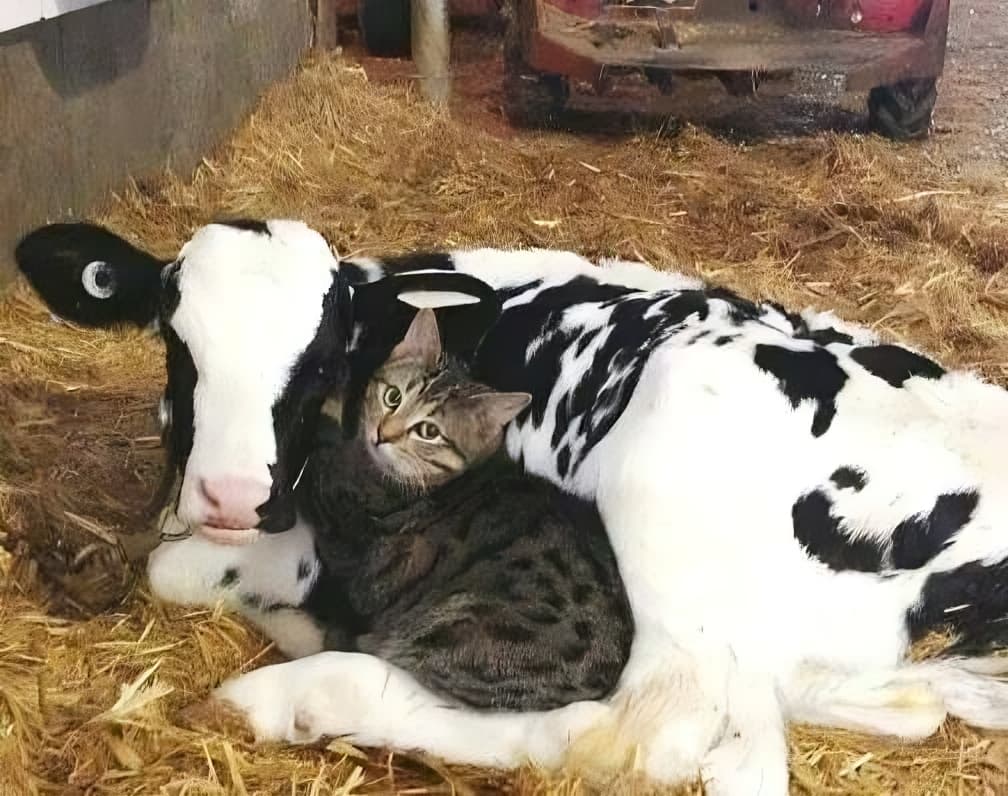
pixel 774 38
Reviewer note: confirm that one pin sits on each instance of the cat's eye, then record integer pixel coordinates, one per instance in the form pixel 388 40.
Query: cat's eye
pixel 427 431
pixel 392 397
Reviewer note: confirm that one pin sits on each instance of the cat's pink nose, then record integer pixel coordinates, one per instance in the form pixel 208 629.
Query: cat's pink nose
pixel 232 502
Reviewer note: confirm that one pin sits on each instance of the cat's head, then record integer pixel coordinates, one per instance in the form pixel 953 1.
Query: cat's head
pixel 423 419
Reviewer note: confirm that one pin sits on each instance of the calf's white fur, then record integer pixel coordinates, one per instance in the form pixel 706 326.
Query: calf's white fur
pixel 738 628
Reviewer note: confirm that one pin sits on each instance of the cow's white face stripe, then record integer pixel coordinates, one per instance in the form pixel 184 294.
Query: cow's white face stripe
pixel 250 304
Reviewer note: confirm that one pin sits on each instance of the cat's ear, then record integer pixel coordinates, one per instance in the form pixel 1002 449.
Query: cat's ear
pixel 497 409
pixel 422 341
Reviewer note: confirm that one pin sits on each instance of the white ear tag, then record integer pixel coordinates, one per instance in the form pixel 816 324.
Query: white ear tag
pixel 423 299
pixel 99 280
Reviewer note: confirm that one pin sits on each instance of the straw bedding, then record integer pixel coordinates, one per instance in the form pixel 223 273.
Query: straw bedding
pixel 93 673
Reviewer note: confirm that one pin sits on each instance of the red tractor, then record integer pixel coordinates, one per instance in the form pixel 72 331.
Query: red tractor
pixel 893 49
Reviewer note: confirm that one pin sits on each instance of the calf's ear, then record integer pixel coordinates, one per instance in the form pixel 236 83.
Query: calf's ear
pixel 91 276
pixel 466 308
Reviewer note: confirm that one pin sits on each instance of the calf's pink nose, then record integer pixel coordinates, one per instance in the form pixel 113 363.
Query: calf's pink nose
pixel 232 502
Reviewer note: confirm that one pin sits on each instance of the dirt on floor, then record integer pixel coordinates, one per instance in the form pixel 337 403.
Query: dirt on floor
pixel 972 112
pixel 771 200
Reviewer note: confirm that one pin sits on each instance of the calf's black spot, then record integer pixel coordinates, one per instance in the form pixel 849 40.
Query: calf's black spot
pixel 849 478
pixel 637 324
pixel 503 354
pixel 355 274
pixel 230 577
pixel 895 364
pixel 563 460
pixel 918 539
pixel 971 601
pixel 805 375
pixel 827 336
pixel 801 330
pixel 304 569
pixel 259 602
pixel 822 536
pixel 507 293
pixel 739 309
pixel 585 340
pixel 418 261
pixel 248 224
pixel 171 294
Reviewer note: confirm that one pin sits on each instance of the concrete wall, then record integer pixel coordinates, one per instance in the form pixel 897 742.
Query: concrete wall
pixel 124 88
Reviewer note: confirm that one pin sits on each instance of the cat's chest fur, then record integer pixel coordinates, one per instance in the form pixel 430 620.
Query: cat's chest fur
pixel 392 548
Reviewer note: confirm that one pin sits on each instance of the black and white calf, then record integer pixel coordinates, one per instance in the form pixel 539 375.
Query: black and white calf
pixel 790 500
pixel 233 325
pixel 255 319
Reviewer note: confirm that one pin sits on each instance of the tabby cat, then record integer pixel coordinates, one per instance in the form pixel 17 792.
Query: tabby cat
pixel 439 555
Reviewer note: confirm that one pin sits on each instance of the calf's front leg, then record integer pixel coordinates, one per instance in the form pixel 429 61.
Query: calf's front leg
pixel 373 703
pixel 266 582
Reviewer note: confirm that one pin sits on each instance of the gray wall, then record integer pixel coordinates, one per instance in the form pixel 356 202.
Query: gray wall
pixel 123 89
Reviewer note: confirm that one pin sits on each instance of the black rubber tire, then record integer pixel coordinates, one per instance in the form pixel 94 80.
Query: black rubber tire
pixel 903 110
pixel 531 98
pixel 385 27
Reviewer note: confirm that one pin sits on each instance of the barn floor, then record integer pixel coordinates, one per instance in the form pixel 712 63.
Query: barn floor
pixel 910 239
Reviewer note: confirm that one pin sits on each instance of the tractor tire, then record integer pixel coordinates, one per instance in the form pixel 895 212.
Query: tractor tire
pixel 903 110
pixel 385 27
pixel 531 98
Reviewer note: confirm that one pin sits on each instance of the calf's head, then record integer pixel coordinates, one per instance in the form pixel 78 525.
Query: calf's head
pixel 253 319
pixel 259 326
